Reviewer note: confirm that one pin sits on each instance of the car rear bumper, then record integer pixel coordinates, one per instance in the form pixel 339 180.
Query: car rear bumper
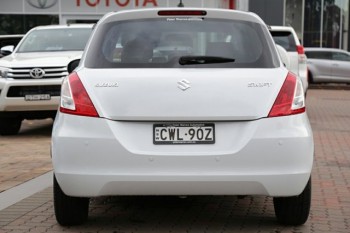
pixel 91 185
pixel 271 156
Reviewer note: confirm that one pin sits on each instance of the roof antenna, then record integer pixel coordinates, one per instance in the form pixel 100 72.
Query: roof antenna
pixel 180 4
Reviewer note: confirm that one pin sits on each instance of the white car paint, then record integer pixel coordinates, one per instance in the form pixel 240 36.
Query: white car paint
pixel 103 143
pixel 298 62
pixel 328 65
pixel 119 158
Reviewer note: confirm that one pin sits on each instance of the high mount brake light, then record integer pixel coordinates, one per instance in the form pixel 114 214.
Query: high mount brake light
pixel 74 98
pixel 290 99
pixel 301 54
pixel 181 13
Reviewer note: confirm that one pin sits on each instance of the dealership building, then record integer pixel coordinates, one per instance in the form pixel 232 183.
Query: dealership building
pixel 318 23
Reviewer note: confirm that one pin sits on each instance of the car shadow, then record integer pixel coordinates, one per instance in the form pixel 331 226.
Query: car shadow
pixel 36 128
pixel 190 214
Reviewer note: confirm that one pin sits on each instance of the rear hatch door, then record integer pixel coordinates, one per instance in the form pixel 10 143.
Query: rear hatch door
pixel 183 94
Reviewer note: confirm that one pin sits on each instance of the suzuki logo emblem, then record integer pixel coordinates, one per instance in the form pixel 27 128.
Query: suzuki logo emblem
pixel 183 84
pixel 37 73
pixel 42 4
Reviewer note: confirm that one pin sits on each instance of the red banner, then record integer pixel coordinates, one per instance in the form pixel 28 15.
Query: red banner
pixel 120 3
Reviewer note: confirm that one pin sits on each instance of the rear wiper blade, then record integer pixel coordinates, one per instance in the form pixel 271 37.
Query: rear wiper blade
pixel 192 60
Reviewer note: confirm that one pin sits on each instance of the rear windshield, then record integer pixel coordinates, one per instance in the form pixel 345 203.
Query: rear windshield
pixel 162 43
pixel 285 39
pixel 49 40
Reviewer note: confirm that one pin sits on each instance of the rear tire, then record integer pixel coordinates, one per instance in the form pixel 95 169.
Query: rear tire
pixel 310 77
pixel 10 126
pixel 69 210
pixel 294 210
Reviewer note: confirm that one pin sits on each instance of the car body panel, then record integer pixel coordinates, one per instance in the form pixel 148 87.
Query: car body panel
pixel 341 70
pixel 321 69
pixel 289 40
pixel 328 65
pixel 43 58
pixel 119 158
pixel 246 94
pixel 114 153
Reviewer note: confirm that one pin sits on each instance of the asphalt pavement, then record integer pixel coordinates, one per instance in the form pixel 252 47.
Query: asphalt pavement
pixel 26 187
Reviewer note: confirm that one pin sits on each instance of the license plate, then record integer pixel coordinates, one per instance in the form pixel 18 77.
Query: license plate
pixel 37 97
pixel 184 133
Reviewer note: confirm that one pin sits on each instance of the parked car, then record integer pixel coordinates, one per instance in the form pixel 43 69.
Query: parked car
pixel 220 116
pixel 328 65
pixel 31 77
pixel 9 40
pixel 287 38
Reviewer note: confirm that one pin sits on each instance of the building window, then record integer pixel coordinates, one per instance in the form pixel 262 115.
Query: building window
pixel 20 24
pixel 294 16
pixel 326 23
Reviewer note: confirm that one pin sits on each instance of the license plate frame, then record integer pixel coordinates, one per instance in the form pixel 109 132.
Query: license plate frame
pixel 37 97
pixel 183 133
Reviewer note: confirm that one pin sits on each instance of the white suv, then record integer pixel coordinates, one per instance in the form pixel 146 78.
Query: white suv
pixel 288 39
pixel 31 77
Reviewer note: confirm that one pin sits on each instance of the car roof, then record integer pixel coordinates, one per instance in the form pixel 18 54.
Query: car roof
pixel 210 13
pixel 324 49
pixel 281 28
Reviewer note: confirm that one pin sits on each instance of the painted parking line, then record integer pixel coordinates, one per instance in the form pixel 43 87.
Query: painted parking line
pixel 27 189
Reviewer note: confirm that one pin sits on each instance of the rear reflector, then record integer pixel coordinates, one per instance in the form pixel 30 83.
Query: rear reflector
pixel 290 99
pixel 181 13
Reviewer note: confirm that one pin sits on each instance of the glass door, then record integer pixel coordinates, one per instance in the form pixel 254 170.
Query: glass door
pixel 326 23
pixel 295 16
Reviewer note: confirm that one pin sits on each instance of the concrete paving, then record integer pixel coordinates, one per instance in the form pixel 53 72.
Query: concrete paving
pixel 24 190
pixel 26 156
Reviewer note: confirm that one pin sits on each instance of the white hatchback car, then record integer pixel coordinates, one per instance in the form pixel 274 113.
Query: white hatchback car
pixel 219 116
pixel 287 38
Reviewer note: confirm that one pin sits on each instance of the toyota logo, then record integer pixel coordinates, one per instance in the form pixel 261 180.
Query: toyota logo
pixel 37 73
pixel 42 4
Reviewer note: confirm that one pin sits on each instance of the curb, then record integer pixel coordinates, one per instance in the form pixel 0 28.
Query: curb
pixel 330 86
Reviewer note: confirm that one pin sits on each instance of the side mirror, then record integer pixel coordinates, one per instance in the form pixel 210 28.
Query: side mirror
pixel 72 65
pixel 284 56
pixel 7 50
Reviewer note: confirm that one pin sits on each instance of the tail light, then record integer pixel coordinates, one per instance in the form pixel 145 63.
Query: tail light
pixel 301 54
pixel 74 98
pixel 300 49
pixel 290 99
